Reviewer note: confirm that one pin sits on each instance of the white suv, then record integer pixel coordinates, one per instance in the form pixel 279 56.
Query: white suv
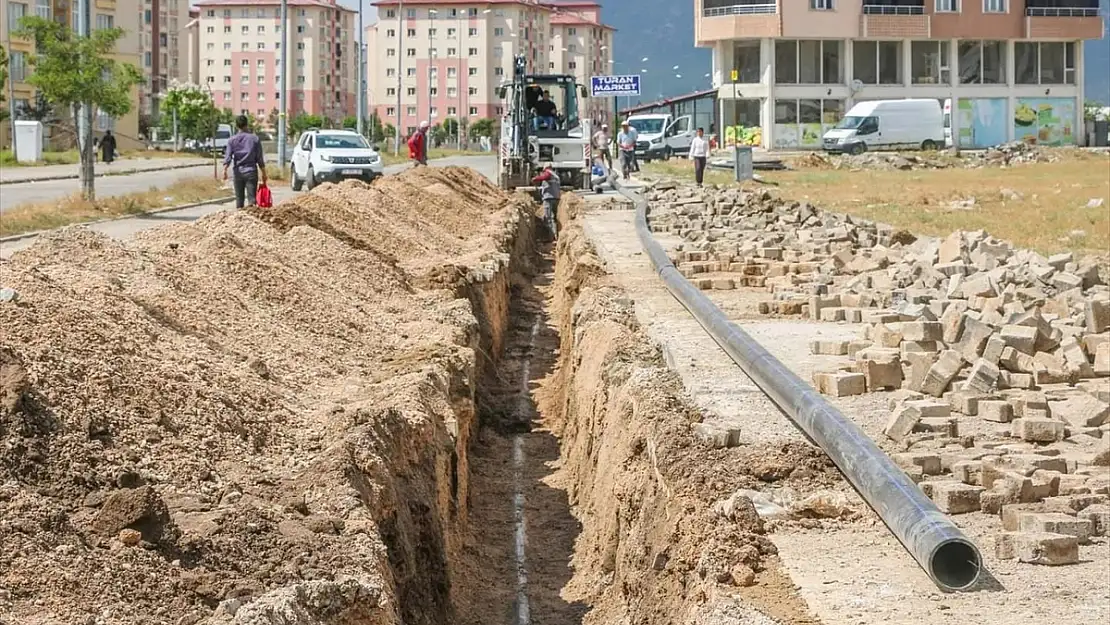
pixel 332 155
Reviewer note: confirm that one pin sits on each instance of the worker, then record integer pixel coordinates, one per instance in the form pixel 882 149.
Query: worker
pixel 245 149
pixel 626 143
pixel 699 152
pixel 550 191
pixel 545 112
pixel 418 145
pixel 601 146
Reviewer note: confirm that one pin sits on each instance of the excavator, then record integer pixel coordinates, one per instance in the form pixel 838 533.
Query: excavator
pixel 530 143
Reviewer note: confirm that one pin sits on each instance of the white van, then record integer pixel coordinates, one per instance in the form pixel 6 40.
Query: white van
pixel 948 123
pixel 661 136
pixel 888 125
pixel 223 133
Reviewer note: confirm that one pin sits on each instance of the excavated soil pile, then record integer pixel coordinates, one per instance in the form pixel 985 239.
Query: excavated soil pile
pixel 228 422
pixel 667 537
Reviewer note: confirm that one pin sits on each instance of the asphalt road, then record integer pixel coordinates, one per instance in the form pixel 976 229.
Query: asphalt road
pixel 14 194
pixel 126 228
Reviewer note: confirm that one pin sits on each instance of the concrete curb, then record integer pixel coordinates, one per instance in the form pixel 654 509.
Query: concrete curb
pixel 168 209
pixel 120 172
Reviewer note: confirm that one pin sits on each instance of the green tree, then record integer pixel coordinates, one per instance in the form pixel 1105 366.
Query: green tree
pixel 303 122
pixel 72 70
pixel 3 83
pixel 481 128
pixel 196 114
pixel 350 122
pixel 451 128
pixel 389 130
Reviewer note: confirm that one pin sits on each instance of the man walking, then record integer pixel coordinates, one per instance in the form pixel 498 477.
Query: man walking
pixel 245 149
pixel 418 145
pixel 601 146
pixel 699 152
pixel 626 142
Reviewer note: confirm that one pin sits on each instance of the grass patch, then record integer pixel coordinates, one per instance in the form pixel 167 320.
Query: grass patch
pixel 70 157
pixel 1050 214
pixel 74 210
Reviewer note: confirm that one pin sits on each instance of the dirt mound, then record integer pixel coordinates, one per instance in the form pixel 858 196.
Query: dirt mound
pixel 228 421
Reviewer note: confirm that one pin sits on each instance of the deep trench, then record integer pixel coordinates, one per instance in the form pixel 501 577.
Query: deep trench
pixel 521 531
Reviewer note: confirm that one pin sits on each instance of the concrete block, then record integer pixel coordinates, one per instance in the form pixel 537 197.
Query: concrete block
pixel 1101 365
pixel 1099 517
pixel 841 383
pixel 1055 523
pixel 922 331
pixel 1027 403
pixel 993 500
pixel 826 347
pixel 1049 369
pixel 941 373
pixel 916 369
pixel 1081 410
pixel 929 463
pixel 901 422
pixel 966 402
pixel 897 397
pixel 1015 380
pixel 716 437
pixel 957 498
pixel 1075 358
pixel 997 411
pixel 983 377
pixel 992 351
pixel 1036 548
pixel 968 471
pixel 930 408
pixel 832 314
pixel 1037 430
pixel 1097 314
pixel 1021 338
pixel 885 335
pixel 930 347
pixel 946 426
pixel 1091 342
pixel 1017 362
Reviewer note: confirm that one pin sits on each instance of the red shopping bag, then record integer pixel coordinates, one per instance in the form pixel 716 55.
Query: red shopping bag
pixel 264 198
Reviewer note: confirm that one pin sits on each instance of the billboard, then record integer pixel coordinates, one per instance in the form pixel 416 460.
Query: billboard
pixel 1045 121
pixel 603 86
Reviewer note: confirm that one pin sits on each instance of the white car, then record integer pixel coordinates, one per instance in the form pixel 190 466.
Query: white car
pixel 333 155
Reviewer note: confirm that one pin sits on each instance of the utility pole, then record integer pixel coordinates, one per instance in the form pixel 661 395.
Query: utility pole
pixel 85 116
pixel 11 86
pixel 283 97
pixel 400 52
pixel 361 70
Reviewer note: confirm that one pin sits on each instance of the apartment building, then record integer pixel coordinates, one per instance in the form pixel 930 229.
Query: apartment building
pixel 446 58
pixel 104 14
pixel 582 46
pixel 789 69
pixel 161 49
pixel 239 48
pixel 190 59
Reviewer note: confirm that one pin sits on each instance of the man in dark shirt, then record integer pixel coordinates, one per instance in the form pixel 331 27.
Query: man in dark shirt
pixel 545 112
pixel 245 148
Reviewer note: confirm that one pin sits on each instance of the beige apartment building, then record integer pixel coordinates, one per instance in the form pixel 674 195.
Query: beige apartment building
pixel 162 49
pixel 446 58
pixel 582 46
pixel 104 14
pixel 787 70
pixel 239 54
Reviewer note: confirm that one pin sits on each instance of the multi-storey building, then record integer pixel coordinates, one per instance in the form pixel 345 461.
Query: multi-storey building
pixel 582 46
pixel 444 59
pixel 239 46
pixel 791 68
pixel 104 14
pixel 189 63
pixel 161 49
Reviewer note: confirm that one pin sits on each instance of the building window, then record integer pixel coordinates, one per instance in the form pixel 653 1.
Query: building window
pixel 452 51
pixel 244 79
pixel 473 91
pixel 391 33
pixel 227 62
pixel 746 61
pixel 410 91
pixel 807 62
pixel 17 66
pixel 499 71
pixel 472 71
pixel 410 111
pixel 877 62
pixel 411 14
pixel 410 52
pixel 244 63
pixel 572 65
pixel 210 13
pixel 434 92
pixel 473 110
pixel 994 6
pixel 245 29
pixel 821 5
pixel 227 45
pixel 431 33
pixel 262 30
pixel 498 32
pixel 452 111
pixel 261 81
pixel 244 46
pixel 391 91
pixel 982 62
pixel 390 72
pixel 472 52
pixel 472 12
pixel 947 6
pixel 473 32
pixel 410 71
pixel 451 72
pixel 1048 63
pixel 929 63
pixel 390 13
pixel 893 7
pixel 261 45
pixel 452 92
pixel 390 111
pixel 390 52
pixel 104 21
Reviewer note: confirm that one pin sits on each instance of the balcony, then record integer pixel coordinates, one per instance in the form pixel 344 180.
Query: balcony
pixel 722 20
pixel 893 7
pixel 1063 19
pixel 895 19
pixel 1061 8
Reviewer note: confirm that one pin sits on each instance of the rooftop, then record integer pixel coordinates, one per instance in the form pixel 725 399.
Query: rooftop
pixel 324 4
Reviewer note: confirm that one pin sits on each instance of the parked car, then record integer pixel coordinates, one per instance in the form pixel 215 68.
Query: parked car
pixel 888 125
pixel 333 155
pixel 223 133
pixel 662 136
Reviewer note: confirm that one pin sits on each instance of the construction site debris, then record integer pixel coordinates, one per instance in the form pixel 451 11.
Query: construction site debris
pixel 1005 155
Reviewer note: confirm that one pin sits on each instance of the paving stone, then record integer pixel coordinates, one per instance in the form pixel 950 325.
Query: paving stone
pixel 901 422
pixel 929 463
pixel 1097 314
pixel 957 498
pixel 931 331
pixel 998 411
pixel 946 426
pixel 941 373
pixel 1082 410
pixel 968 471
pixel 1038 430
pixel 840 383
pixel 826 347
pixel 1099 517
pixel 1101 365
pixel 983 377
pixel 1021 338
pixel 1055 523
pixel 1038 548
pixel 716 437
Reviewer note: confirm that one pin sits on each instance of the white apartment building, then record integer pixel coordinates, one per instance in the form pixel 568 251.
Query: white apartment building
pixel 441 59
pixel 239 48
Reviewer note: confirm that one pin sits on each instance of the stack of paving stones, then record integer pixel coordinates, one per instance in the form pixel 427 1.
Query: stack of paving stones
pixel 963 332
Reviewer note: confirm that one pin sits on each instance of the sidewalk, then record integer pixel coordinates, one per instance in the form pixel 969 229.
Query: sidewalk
pixel 16 175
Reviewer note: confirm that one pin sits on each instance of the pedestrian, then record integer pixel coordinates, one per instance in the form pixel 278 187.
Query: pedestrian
pixel 626 143
pixel 108 147
pixel 699 152
pixel 418 145
pixel 601 146
pixel 245 150
pixel 550 192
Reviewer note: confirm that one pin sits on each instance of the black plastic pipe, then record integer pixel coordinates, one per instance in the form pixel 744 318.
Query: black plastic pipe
pixel 950 559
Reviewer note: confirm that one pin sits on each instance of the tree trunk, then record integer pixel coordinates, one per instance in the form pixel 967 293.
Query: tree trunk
pixel 86 151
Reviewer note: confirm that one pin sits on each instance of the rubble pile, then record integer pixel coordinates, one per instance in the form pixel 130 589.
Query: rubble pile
pixel 1005 155
pixel 967 332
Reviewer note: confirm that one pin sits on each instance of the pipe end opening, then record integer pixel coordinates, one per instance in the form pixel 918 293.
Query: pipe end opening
pixel 956 565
